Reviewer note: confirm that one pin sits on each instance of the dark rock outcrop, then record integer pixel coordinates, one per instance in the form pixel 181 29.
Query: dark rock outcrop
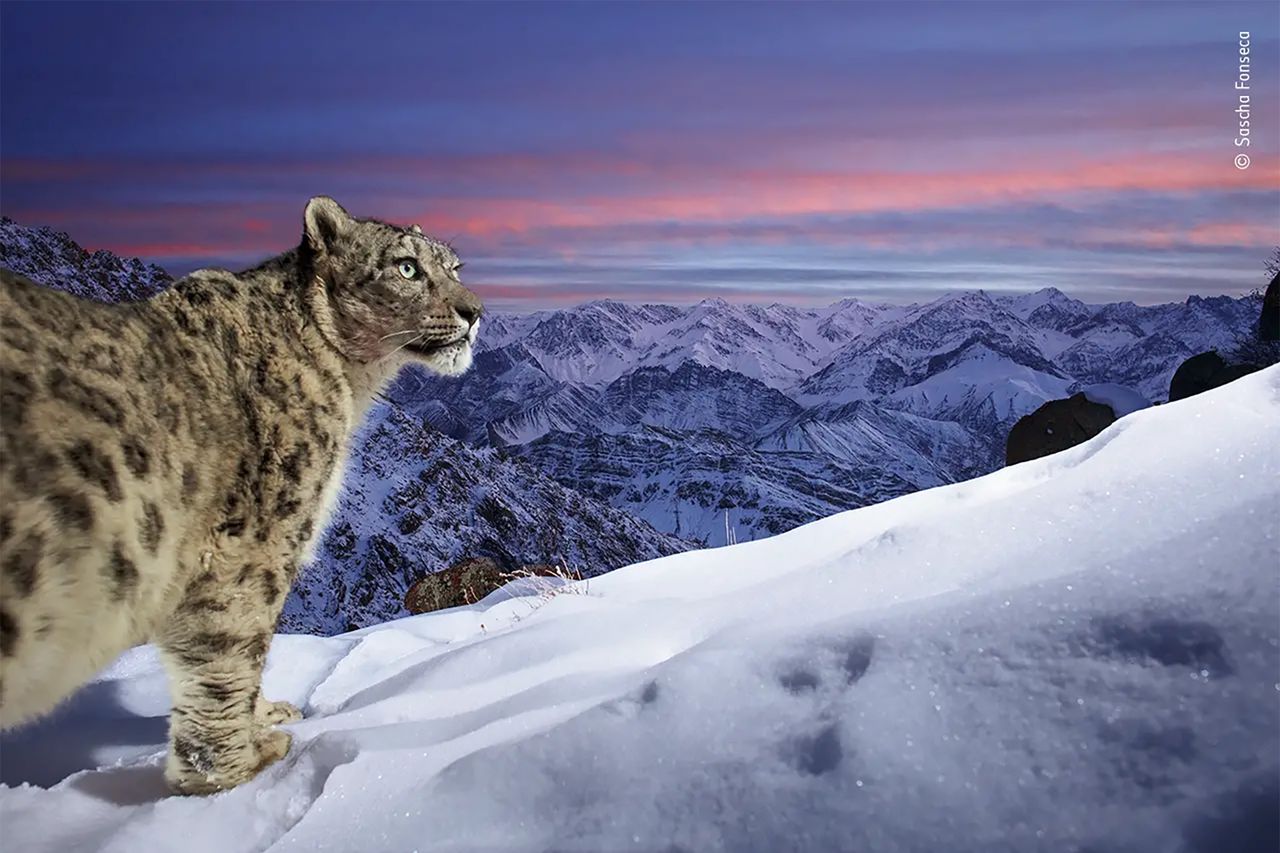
pixel 1203 372
pixel 1269 323
pixel 1056 426
pixel 466 582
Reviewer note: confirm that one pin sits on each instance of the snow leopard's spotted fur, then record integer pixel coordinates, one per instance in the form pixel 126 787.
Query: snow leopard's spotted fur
pixel 166 465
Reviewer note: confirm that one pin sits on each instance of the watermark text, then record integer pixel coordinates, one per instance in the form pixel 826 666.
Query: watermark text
pixel 1243 106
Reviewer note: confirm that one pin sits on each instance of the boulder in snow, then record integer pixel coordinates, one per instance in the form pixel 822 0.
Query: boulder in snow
pixel 1203 372
pixel 1056 426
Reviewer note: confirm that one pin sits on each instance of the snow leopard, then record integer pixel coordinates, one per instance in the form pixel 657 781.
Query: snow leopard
pixel 166 465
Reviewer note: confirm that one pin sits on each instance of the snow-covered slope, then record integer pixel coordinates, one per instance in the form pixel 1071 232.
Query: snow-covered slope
pixel 941 335
pixel 922 451
pixel 42 254
pixel 512 399
pixel 1123 401
pixel 1076 653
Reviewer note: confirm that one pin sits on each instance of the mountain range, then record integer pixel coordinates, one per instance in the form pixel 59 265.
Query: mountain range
pixel 610 433
pixel 415 501
pixel 722 422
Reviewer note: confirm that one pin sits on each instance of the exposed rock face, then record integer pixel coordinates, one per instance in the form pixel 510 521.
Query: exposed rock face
pixel 1269 324
pixel 51 257
pixel 1203 372
pixel 1056 426
pixel 414 500
pixel 466 582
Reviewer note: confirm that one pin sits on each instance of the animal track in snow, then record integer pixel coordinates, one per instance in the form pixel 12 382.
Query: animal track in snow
pixel 843 664
pixel 1167 640
pixel 818 754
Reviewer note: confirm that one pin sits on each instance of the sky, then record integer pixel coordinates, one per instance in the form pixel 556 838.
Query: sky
pixel 798 152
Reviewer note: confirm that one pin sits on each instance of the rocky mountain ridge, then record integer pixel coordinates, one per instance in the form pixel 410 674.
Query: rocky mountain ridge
pixel 46 255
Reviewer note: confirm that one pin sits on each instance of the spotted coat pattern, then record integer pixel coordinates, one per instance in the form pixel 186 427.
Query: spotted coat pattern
pixel 166 465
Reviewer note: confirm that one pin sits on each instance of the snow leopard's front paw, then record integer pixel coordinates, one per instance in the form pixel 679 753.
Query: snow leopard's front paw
pixel 196 769
pixel 272 745
pixel 270 713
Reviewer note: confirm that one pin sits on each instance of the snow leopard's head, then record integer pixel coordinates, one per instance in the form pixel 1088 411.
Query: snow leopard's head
pixel 393 293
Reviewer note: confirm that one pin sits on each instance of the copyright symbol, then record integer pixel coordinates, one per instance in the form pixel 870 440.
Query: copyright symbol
pixel 1242 161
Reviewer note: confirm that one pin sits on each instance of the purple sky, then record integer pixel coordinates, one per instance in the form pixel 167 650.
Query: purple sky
pixel 663 152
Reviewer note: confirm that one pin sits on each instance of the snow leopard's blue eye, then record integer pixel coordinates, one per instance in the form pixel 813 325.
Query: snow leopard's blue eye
pixel 409 269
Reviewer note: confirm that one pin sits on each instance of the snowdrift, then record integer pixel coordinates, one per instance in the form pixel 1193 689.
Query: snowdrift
pixel 1078 653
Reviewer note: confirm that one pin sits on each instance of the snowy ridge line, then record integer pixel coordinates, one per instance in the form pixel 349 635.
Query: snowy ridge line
pixel 786 348
pixel 1078 652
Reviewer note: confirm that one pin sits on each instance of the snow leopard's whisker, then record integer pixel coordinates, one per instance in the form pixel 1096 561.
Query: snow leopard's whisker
pixel 401 332
pixel 415 339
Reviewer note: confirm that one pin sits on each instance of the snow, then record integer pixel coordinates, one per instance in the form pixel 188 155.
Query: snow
pixel 1011 389
pixel 1079 652
pixel 1123 401
pixel 1026 305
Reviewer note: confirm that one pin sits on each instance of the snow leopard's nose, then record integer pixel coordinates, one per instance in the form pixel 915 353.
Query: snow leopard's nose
pixel 469 307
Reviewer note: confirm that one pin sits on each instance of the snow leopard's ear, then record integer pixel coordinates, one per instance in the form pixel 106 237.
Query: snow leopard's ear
pixel 325 223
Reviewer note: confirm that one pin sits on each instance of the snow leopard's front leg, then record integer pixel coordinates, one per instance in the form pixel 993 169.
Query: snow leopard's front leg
pixel 220 731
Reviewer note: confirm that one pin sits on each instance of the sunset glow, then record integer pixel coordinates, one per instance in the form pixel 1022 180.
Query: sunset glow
pixel 797 153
